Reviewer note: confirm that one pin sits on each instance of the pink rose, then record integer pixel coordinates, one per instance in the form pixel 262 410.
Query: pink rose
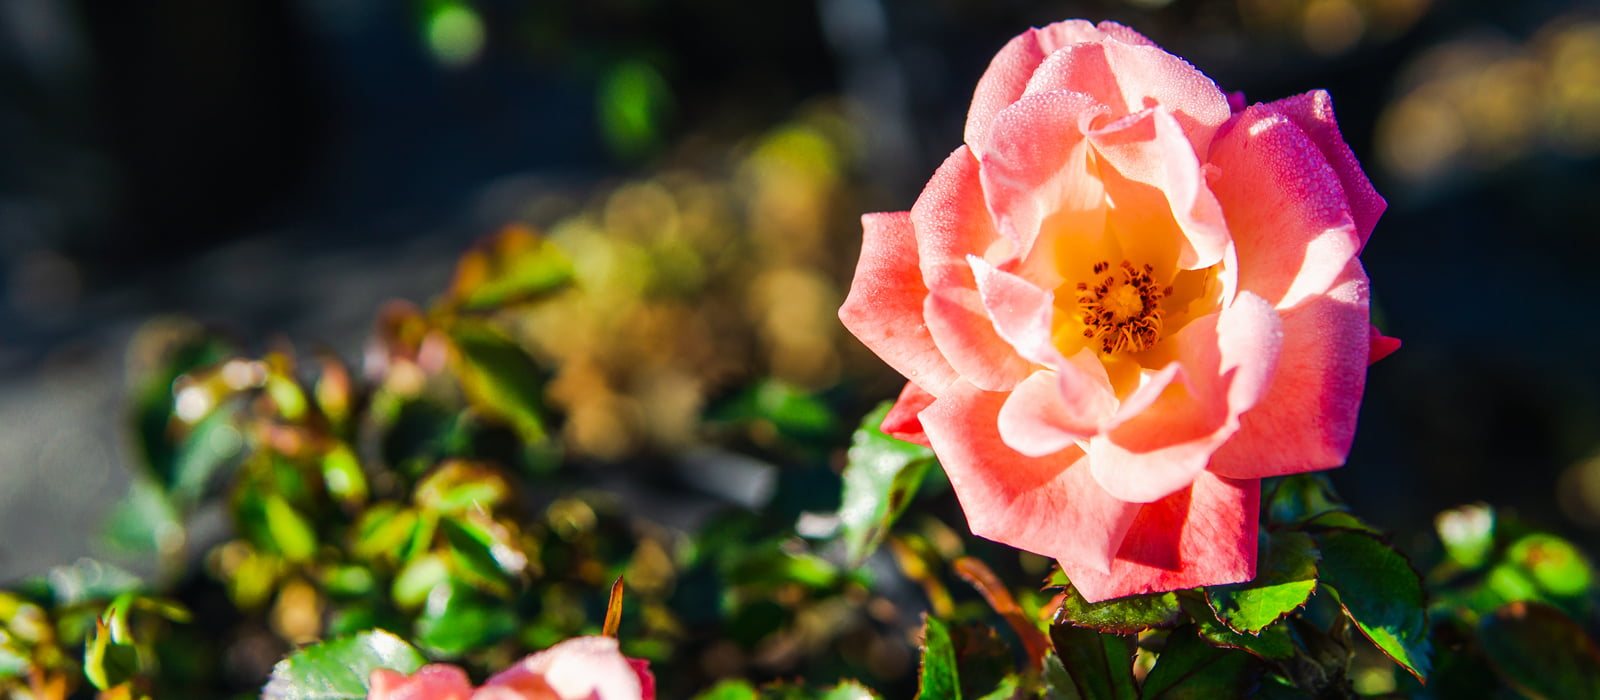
pixel 583 668
pixel 1122 303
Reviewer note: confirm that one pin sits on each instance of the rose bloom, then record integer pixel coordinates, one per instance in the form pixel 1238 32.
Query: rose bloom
pixel 1125 300
pixel 583 668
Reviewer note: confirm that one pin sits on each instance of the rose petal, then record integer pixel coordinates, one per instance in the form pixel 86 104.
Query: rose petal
pixel 581 668
pixel 1047 505
pixel 1382 346
pixel 1008 74
pixel 901 422
pixel 1291 224
pixel 1308 417
pixel 1228 360
pixel 1202 536
pixel 1150 148
pixel 1050 411
pixel 884 306
pixel 1035 166
pixel 951 223
pixel 1313 113
pixel 1130 78
pixel 431 682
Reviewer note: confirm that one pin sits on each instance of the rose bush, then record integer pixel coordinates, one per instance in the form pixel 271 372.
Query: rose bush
pixel 1121 303
pixel 583 668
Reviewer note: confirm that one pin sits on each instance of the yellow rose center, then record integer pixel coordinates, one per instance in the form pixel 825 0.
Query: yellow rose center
pixel 1121 311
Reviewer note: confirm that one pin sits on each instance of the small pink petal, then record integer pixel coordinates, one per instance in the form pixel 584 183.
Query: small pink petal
pixel 884 306
pixel 1035 165
pixel 901 422
pixel 431 682
pixel 1291 224
pixel 1313 113
pixel 1202 536
pixel 1050 411
pixel 1047 505
pixel 1149 148
pixel 581 668
pixel 1382 346
pixel 1130 78
pixel 1008 73
pixel 1308 418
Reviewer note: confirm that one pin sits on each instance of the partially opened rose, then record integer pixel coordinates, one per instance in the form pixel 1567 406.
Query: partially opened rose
pixel 582 668
pixel 1122 303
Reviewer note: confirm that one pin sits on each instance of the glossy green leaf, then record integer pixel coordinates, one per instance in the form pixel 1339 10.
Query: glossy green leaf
pixel 1286 574
pixel 1291 500
pixel 342 473
pixel 290 530
pixel 1100 666
pixel 937 678
pixel 417 579
pixel 1119 615
pixel 472 555
pixel 1190 669
pixel 457 486
pixel 384 529
pixel 515 265
pixel 109 656
pixel 499 378
pixel 881 477
pixel 338 669
pixel 1273 642
pixel 457 619
pixel 1541 652
pixel 1381 593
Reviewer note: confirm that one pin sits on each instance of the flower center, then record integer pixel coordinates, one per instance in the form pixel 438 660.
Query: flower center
pixel 1121 313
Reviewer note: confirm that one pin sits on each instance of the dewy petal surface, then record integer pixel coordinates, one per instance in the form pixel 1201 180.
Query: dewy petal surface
pixel 884 306
pixel 1034 164
pixel 1202 536
pixel 1047 505
pixel 1150 148
pixel 1313 113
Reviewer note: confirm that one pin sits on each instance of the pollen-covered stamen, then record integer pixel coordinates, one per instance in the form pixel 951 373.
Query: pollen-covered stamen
pixel 1121 315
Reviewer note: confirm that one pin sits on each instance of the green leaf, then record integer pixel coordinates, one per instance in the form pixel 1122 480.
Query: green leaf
pixel 938 678
pixel 1467 534
pixel 458 486
pixel 384 529
pixel 338 669
pixel 1190 669
pixel 1381 594
pixel 515 265
pixel 1554 563
pixel 472 552
pixel 412 586
pixel 499 378
pixel 1099 665
pixel 167 349
pixel 341 472
pixel 1119 615
pixel 143 525
pixel 1058 682
pixel 848 690
pixel 1285 578
pixel 90 580
pixel 789 411
pixel 633 101
pixel 1541 652
pixel 1274 642
pixel 213 445
pixel 729 690
pixel 1292 500
pixel 983 660
pixel 109 657
pixel 880 478
pixel 458 619
pixel 290 531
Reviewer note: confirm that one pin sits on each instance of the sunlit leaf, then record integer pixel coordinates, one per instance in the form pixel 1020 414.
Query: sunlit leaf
pixel 290 530
pixel 383 530
pixel 458 486
pixel 789 411
pixel 472 549
pixel 1273 642
pixel 500 379
pixel 1554 563
pixel 342 473
pixel 938 678
pixel 419 577
pixel 1381 593
pixel 109 657
pixel 458 619
pixel 1286 574
pixel 516 265
pixel 339 669
pixel 1541 652
pixel 1100 666
pixel 633 101
pixel 1119 615
pixel 880 478
pixel 729 690
pixel 1190 669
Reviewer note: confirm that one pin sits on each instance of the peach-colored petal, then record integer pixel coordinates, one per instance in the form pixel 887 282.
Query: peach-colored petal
pixel 431 682
pixel 1021 312
pixel 1382 345
pixel 1011 68
pixel 884 306
pixel 1129 78
pixel 1202 536
pixel 1047 505
pixel 1291 225
pixel 901 422
pixel 1313 113
pixel 1149 147
pixel 1308 417
pixel 1035 165
pixel 581 668
pixel 1050 411
pixel 1228 360
pixel 952 222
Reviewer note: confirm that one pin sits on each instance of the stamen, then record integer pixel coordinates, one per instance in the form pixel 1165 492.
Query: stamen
pixel 1122 321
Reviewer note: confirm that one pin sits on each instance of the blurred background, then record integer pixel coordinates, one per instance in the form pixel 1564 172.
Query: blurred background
pixel 277 169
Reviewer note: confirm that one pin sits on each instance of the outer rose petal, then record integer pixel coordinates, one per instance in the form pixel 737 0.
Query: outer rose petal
pixel 431 682
pixel 1290 221
pixel 1308 417
pixel 901 421
pixel 1128 78
pixel 1202 536
pixel 951 223
pixel 1009 72
pixel 1382 346
pixel 1149 147
pixel 1034 164
pixel 581 668
pixel 1313 113
pixel 884 307
pixel 1047 505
